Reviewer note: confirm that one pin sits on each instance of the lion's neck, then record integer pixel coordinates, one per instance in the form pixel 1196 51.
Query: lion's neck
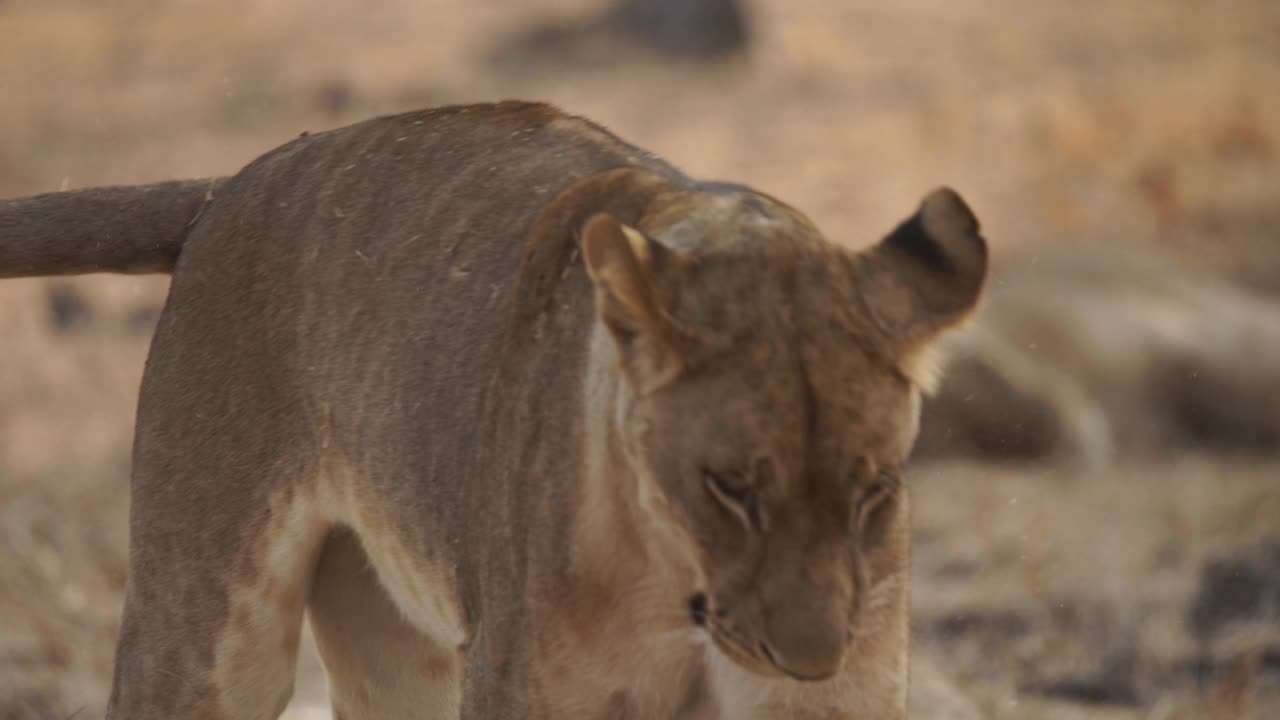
pixel 609 541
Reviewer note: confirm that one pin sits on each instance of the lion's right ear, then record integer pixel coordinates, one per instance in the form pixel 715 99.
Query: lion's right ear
pixel 623 265
pixel 925 276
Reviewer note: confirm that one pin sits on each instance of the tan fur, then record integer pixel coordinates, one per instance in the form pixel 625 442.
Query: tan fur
pixel 535 426
pixel 380 665
pixel 638 245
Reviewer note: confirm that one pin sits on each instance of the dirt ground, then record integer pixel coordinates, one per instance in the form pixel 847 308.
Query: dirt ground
pixel 1143 588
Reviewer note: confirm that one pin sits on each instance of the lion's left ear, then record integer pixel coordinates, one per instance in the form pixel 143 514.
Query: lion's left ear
pixel 927 275
pixel 621 262
pixel 628 270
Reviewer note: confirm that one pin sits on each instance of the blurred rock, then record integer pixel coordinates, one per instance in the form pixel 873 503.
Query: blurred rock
pixel 683 28
pixel 1001 625
pixel 68 308
pixel 1112 684
pixel 1235 620
pixel 334 97
pixel 1091 354
pixel 633 31
pixel 1239 588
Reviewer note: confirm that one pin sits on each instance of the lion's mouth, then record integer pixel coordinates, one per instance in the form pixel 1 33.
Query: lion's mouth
pixel 738 651
pixel 753 657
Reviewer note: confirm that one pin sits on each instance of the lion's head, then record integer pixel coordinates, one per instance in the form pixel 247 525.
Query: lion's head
pixel 772 392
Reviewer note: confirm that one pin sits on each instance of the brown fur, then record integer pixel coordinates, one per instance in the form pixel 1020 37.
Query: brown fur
pixel 138 229
pixel 509 404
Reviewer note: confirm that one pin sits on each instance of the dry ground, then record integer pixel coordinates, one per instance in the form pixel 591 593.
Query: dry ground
pixel 1041 591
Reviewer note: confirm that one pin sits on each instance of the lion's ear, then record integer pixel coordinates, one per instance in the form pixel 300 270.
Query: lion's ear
pixel 624 266
pixel 927 275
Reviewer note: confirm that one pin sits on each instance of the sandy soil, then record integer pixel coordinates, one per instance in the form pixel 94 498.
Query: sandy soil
pixel 1140 590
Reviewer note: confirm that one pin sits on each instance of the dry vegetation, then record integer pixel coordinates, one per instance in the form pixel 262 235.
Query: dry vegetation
pixel 1135 589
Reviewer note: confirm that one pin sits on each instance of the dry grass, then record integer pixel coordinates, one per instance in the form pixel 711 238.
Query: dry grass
pixel 1079 585
pixel 1149 124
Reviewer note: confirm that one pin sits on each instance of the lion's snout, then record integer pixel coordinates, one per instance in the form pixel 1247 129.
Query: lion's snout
pixel 804 642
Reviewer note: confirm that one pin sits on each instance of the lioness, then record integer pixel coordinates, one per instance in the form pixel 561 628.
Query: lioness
pixel 529 423
pixel 1097 353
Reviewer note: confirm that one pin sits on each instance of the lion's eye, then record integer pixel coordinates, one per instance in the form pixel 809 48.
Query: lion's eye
pixel 874 493
pixel 728 485
pixel 881 490
pixel 733 491
pixel 885 485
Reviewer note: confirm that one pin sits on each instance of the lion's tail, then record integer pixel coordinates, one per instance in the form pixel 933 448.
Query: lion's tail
pixel 129 229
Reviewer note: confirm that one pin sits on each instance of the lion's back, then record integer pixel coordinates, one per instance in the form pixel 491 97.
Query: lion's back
pixel 418 215
pixel 366 273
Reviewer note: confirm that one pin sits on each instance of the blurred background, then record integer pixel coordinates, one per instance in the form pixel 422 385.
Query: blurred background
pixel 1097 483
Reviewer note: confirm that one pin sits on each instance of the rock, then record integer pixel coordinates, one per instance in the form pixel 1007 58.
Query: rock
pixel 1240 588
pixel 68 308
pixel 629 32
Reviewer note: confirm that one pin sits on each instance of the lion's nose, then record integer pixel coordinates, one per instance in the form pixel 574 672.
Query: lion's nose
pixel 808 651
